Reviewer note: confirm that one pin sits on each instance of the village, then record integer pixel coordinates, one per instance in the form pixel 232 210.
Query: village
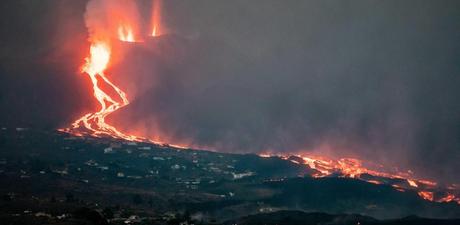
pixel 61 179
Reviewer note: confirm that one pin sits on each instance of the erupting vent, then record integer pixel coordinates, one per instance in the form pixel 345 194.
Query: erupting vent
pixel 96 63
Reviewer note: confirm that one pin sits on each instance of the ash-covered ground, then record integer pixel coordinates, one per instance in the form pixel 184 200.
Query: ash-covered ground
pixel 48 177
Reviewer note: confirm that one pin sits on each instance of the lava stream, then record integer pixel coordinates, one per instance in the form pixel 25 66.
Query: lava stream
pixel 94 123
pixel 357 169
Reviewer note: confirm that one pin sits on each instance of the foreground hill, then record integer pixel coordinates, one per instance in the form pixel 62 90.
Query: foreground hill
pixel 60 178
pixel 302 218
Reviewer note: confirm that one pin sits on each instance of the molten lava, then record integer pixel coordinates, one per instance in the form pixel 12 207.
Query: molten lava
pixel 95 65
pixel 98 59
pixel 412 183
pixel 447 198
pixel 125 33
pixel 371 173
pixel 94 123
pixel 123 19
pixel 428 195
pixel 154 31
pixel 155 19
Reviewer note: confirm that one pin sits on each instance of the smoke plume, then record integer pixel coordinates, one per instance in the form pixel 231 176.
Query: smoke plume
pixel 369 79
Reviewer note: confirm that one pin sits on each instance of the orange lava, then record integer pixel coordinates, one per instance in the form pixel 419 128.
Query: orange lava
pixel 412 183
pixel 398 188
pixel 356 169
pixel 94 123
pixel 109 96
pixel 427 195
pixel 95 65
pixel 374 181
pixel 155 18
pixel 125 33
pixel 447 198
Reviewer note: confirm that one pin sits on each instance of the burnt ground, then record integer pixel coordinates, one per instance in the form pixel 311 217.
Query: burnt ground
pixel 48 177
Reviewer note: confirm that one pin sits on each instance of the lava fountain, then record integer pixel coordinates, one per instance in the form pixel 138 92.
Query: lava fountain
pixel 155 19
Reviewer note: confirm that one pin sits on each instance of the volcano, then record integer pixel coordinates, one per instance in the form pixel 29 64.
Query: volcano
pixel 165 51
pixel 232 112
pixel 220 187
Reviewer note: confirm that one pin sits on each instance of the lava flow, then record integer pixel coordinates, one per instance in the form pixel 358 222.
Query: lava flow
pixel 95 65
pixel 123 19
pixel 94 123
pixel 376 174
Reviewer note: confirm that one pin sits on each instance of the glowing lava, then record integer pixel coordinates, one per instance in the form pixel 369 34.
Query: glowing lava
pixel 154 31
pixel 427 195
pixel 156 17
pixel 125 33
pixel 447 198
pixel 374 173
pixel 123 24
pixel 412 183
pixel 95 65
pixel 94 123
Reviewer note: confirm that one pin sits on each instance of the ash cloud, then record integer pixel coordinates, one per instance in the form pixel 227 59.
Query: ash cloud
pixel 373 79
pixel 103 17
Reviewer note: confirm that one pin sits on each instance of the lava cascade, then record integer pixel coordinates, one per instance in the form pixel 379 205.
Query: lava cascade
pixel 122 28
pixel 96 64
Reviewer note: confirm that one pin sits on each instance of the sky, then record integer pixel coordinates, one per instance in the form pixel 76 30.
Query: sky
pixel 372 79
